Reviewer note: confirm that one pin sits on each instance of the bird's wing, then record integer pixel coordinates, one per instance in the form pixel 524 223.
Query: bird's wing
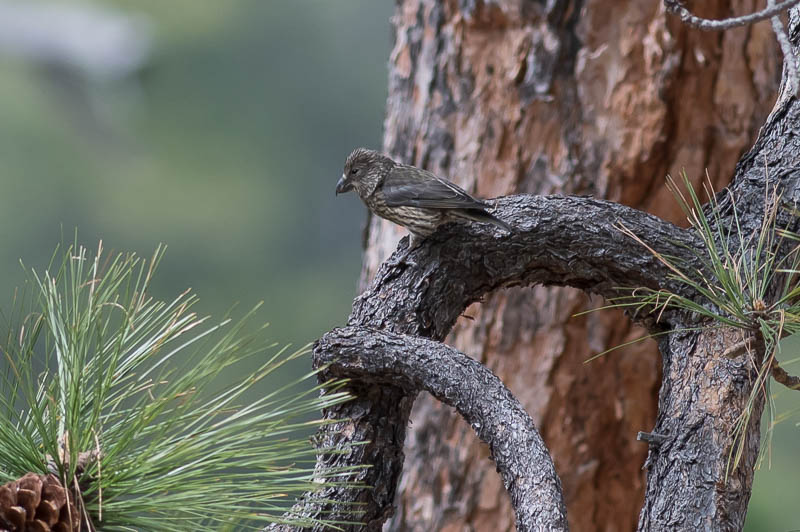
pixel 406 186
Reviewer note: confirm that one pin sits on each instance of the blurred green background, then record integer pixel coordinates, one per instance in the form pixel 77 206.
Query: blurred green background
pixel 218 127
pixel 225 144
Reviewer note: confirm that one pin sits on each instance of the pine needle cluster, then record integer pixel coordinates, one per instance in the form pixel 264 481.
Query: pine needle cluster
pixel 120 396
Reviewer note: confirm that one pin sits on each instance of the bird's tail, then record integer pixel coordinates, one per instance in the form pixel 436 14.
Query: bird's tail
pixel 479 215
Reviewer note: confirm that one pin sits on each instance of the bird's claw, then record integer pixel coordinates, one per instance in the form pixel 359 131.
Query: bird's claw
pixel 402 256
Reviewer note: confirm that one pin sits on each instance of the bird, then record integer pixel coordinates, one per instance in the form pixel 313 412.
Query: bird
pixel 409 196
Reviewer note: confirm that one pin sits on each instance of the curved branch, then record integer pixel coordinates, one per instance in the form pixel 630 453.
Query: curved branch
pixel 560 240
pixel 789 60
pixel 774 158
pixel 782 376
pixel 414 363
pixel 677 7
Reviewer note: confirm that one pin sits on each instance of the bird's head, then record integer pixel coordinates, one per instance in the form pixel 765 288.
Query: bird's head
pixel 363 171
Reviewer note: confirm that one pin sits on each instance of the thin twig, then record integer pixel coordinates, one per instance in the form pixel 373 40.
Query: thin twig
pixel 652 438
pixel 789 60
pixel 676 7
pixel 781 376
pixel 738 348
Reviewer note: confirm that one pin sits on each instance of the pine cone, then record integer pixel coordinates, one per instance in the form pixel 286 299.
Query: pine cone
pixel 37 503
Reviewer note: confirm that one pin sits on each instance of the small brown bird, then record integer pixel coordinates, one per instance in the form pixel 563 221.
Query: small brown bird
pixel 409 196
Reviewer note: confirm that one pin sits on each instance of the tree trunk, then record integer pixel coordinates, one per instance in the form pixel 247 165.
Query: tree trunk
pixel 600 98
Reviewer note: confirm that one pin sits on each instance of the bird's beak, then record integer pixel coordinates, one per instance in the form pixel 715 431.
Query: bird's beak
pixel 343 185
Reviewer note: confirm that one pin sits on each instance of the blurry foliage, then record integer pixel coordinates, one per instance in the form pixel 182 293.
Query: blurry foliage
pixel 226 147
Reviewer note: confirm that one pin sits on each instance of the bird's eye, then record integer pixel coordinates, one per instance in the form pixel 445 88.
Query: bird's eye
pixel 354 171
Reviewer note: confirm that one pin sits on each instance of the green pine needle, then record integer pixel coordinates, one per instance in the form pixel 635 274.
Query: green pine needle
pixel 107 387
pixel 738 272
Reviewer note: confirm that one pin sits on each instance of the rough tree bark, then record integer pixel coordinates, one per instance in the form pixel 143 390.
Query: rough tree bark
pixel 510 91
pixel 581 97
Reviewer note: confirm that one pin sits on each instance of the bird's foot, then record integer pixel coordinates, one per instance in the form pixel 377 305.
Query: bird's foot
pixel 401 257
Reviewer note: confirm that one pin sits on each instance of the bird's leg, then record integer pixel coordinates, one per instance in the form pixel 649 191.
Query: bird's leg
pixel 413 242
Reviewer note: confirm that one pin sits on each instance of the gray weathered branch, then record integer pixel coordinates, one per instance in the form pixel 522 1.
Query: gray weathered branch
pixel 691 482
pixel 413 364
pixel 569 241
pixel 772 10
pixel 561 240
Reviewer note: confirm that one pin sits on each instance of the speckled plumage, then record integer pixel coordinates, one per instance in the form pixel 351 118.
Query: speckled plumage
pixel 414 198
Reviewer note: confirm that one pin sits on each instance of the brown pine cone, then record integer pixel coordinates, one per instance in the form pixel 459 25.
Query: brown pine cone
pixel 37 503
